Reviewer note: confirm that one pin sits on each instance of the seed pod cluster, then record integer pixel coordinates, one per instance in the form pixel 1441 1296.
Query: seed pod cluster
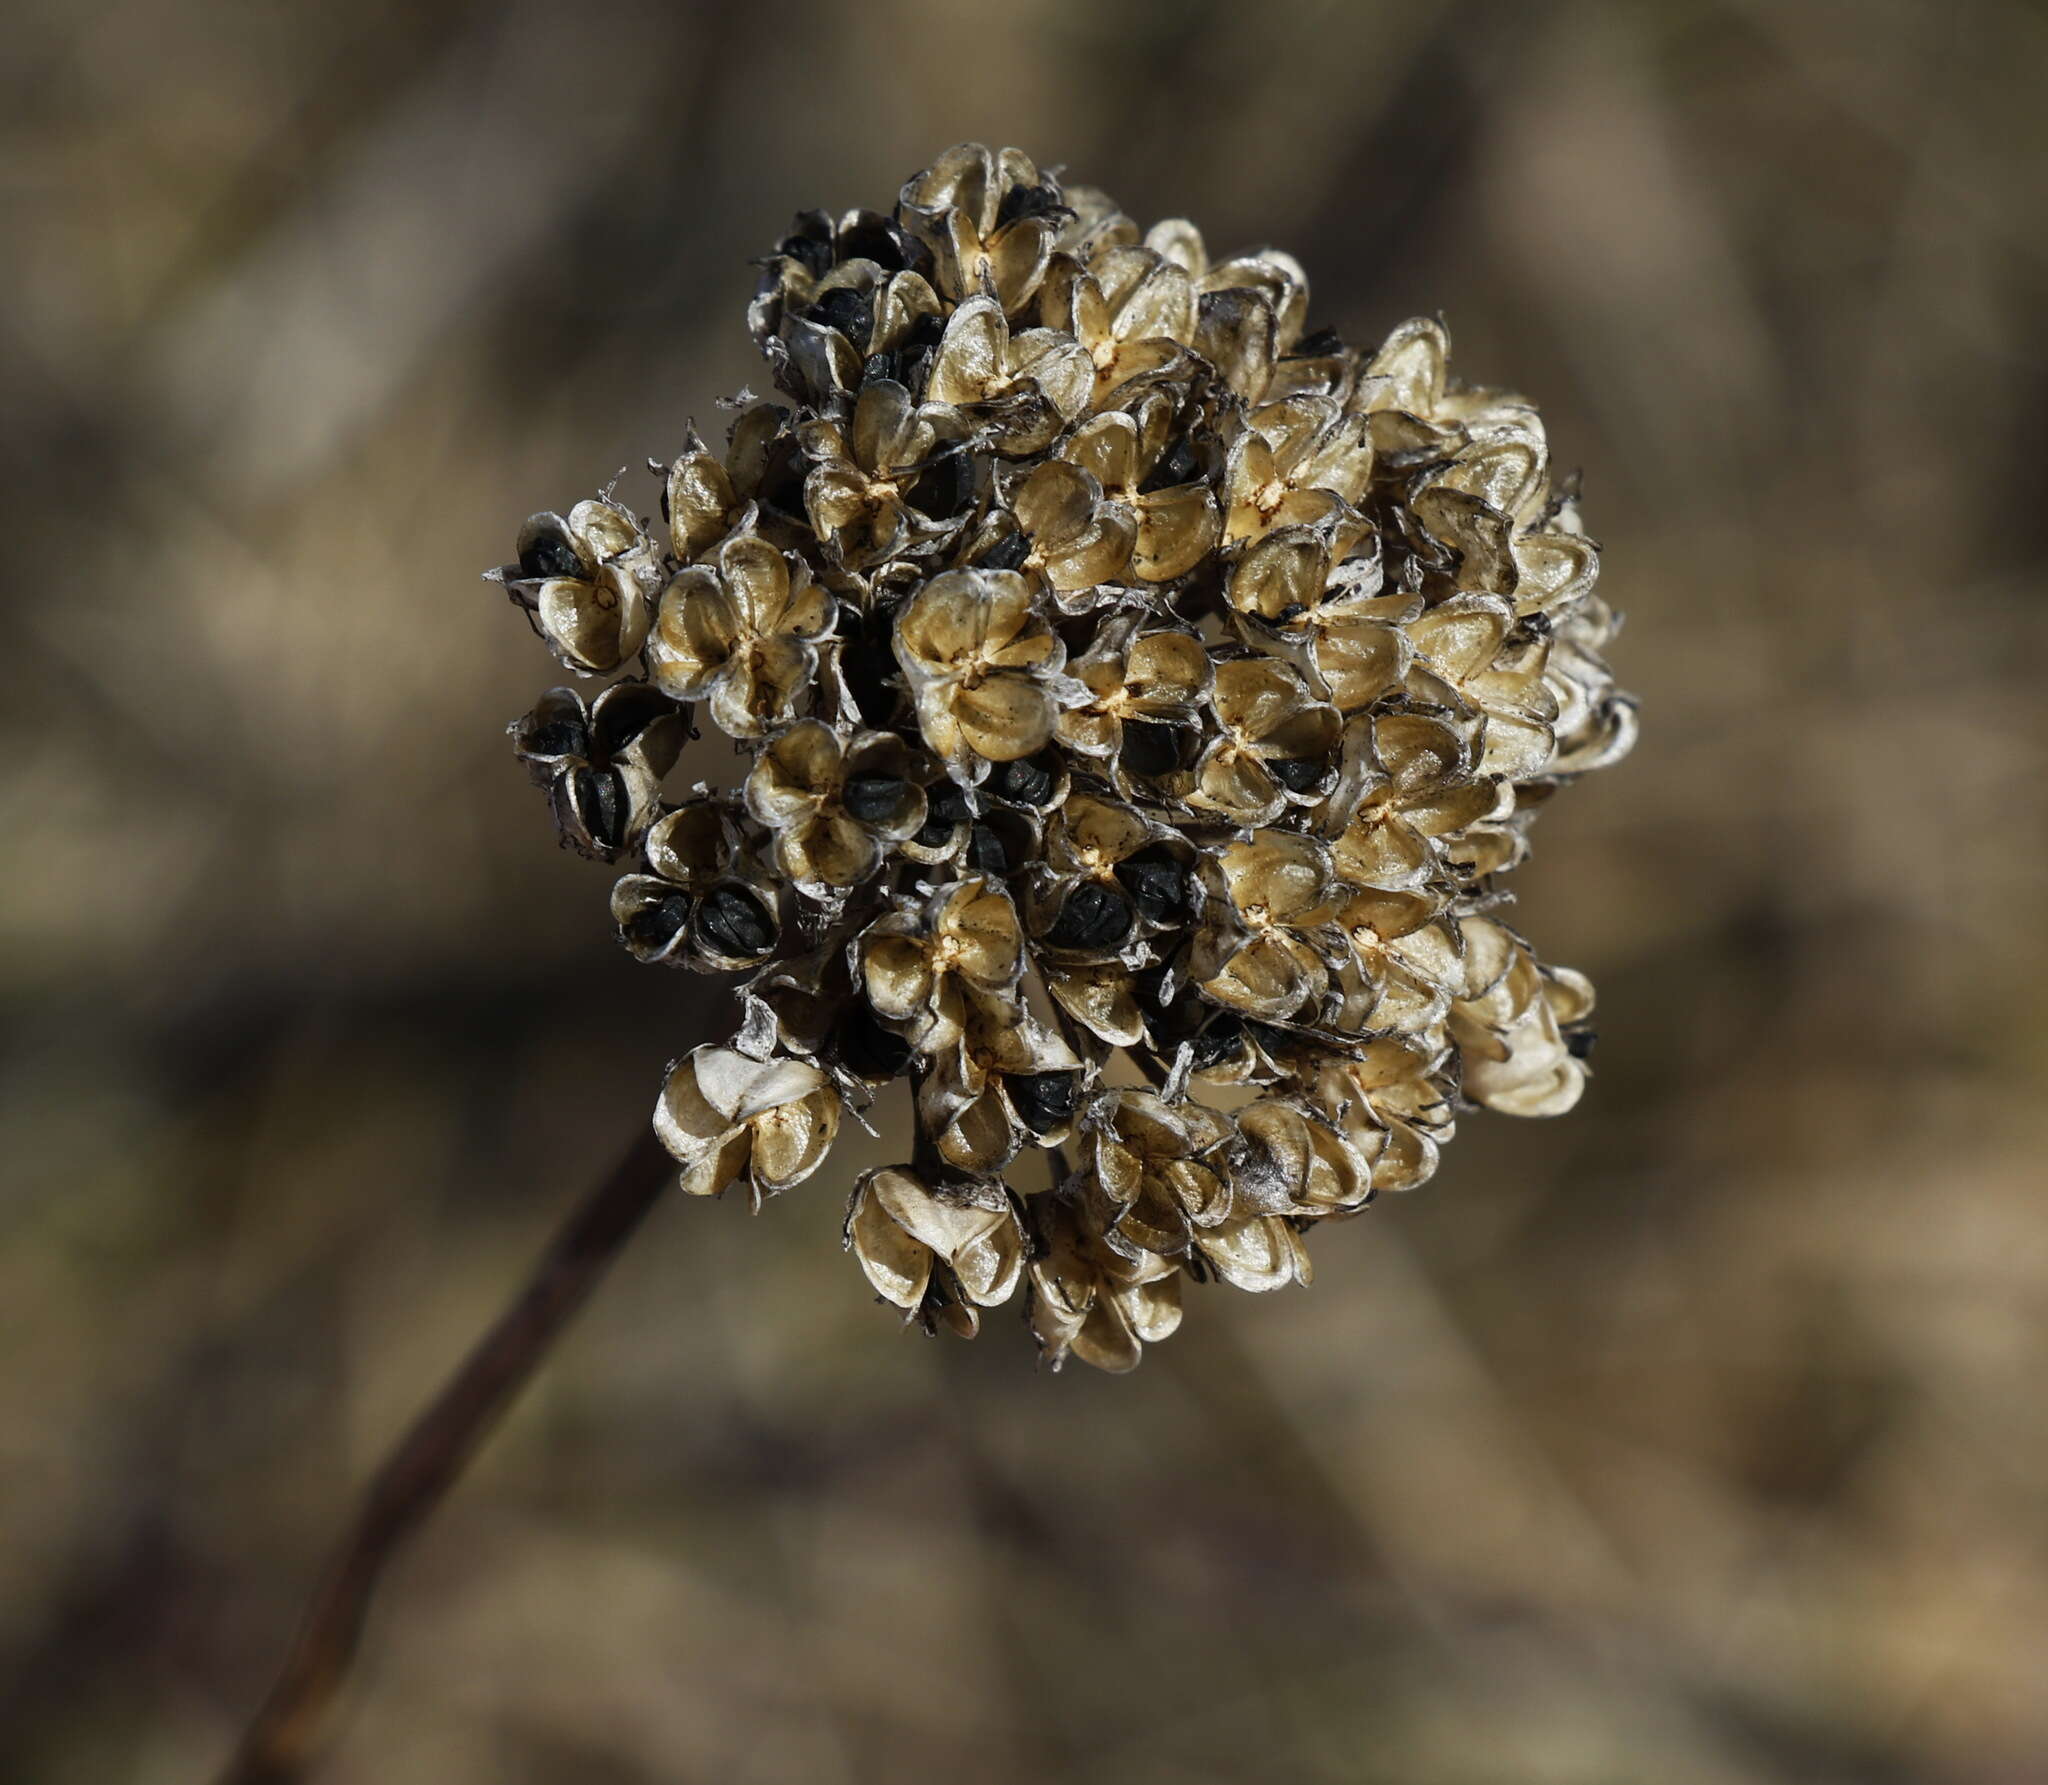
pixel 1144 696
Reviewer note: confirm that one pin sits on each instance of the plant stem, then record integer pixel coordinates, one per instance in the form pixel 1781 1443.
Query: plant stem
pixel 431 1457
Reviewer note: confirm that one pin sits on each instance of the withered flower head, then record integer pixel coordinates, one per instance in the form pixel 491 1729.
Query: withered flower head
pixel 1144 699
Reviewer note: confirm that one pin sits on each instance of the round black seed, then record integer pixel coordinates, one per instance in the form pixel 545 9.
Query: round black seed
pixel 1296 773
pixel 1221 1040
pixel 1043 1100
pixel 599 802
pixel 1028 201
pixel 1150 748
pixel 1008 553
pixel 1178 467
pixel 623 717
pixel 813 252
pixel 1094 916
pixel 653 927
pixel 1158 885
pixel 849 311
pixel 985 852
pixel 868 1050
pixel 1320 345
pixel 1581 1042
pixel 926 331
pixel 917 369
pixel 782 484
pixel 945 489
pixel 875 240
pixel 736 923
pixel 549 556
pixel 558 737
pixel 1029 782
pixel 873 799
pixel 945 810
pixel 868 665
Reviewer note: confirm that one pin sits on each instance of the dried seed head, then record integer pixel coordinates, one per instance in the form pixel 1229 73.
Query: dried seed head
pixel 1128 677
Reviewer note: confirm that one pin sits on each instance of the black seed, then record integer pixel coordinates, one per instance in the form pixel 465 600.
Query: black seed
pixel 1150 748
pixel 1008 553
pixel 1320 345
pixel 1178 467
pixel 875 239
pixel 548 556
pixel 1094 917
pixel 1029 782
pixel 599 802
pixel 945 810
pixel 1581 1042
pixel 1221 1040
pixel 851 312
pixel 1158 885
pixel 814 252
pixel 945 489
pixel 985 852
pixel 1028 201
pixel 655 926
pixel 782 484
pixel 868 664
pixel 559 737
pixel 917 369
pixel 1296 773
pixel 735 922
pixel 882 366
pixel 1277 1042
pixel 625 716
pixel 873 799
pixel 1043 1100
pixel 868 1050
pixel 926 331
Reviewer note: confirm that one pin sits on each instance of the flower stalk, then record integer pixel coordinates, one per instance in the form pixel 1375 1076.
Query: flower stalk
pixel 430 1458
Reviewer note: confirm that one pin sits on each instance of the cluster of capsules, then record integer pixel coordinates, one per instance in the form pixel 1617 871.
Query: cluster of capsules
pixel 1140 700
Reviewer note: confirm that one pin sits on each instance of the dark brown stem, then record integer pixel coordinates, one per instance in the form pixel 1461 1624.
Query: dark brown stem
pixel 431 1457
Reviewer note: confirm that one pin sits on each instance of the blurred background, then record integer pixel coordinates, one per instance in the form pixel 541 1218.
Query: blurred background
pixel 1697 1438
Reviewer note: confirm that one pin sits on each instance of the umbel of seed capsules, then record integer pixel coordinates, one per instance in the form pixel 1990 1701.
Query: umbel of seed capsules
pixel 1147 697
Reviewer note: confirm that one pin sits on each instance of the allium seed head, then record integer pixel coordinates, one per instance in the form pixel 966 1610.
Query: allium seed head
pixel 1145 697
